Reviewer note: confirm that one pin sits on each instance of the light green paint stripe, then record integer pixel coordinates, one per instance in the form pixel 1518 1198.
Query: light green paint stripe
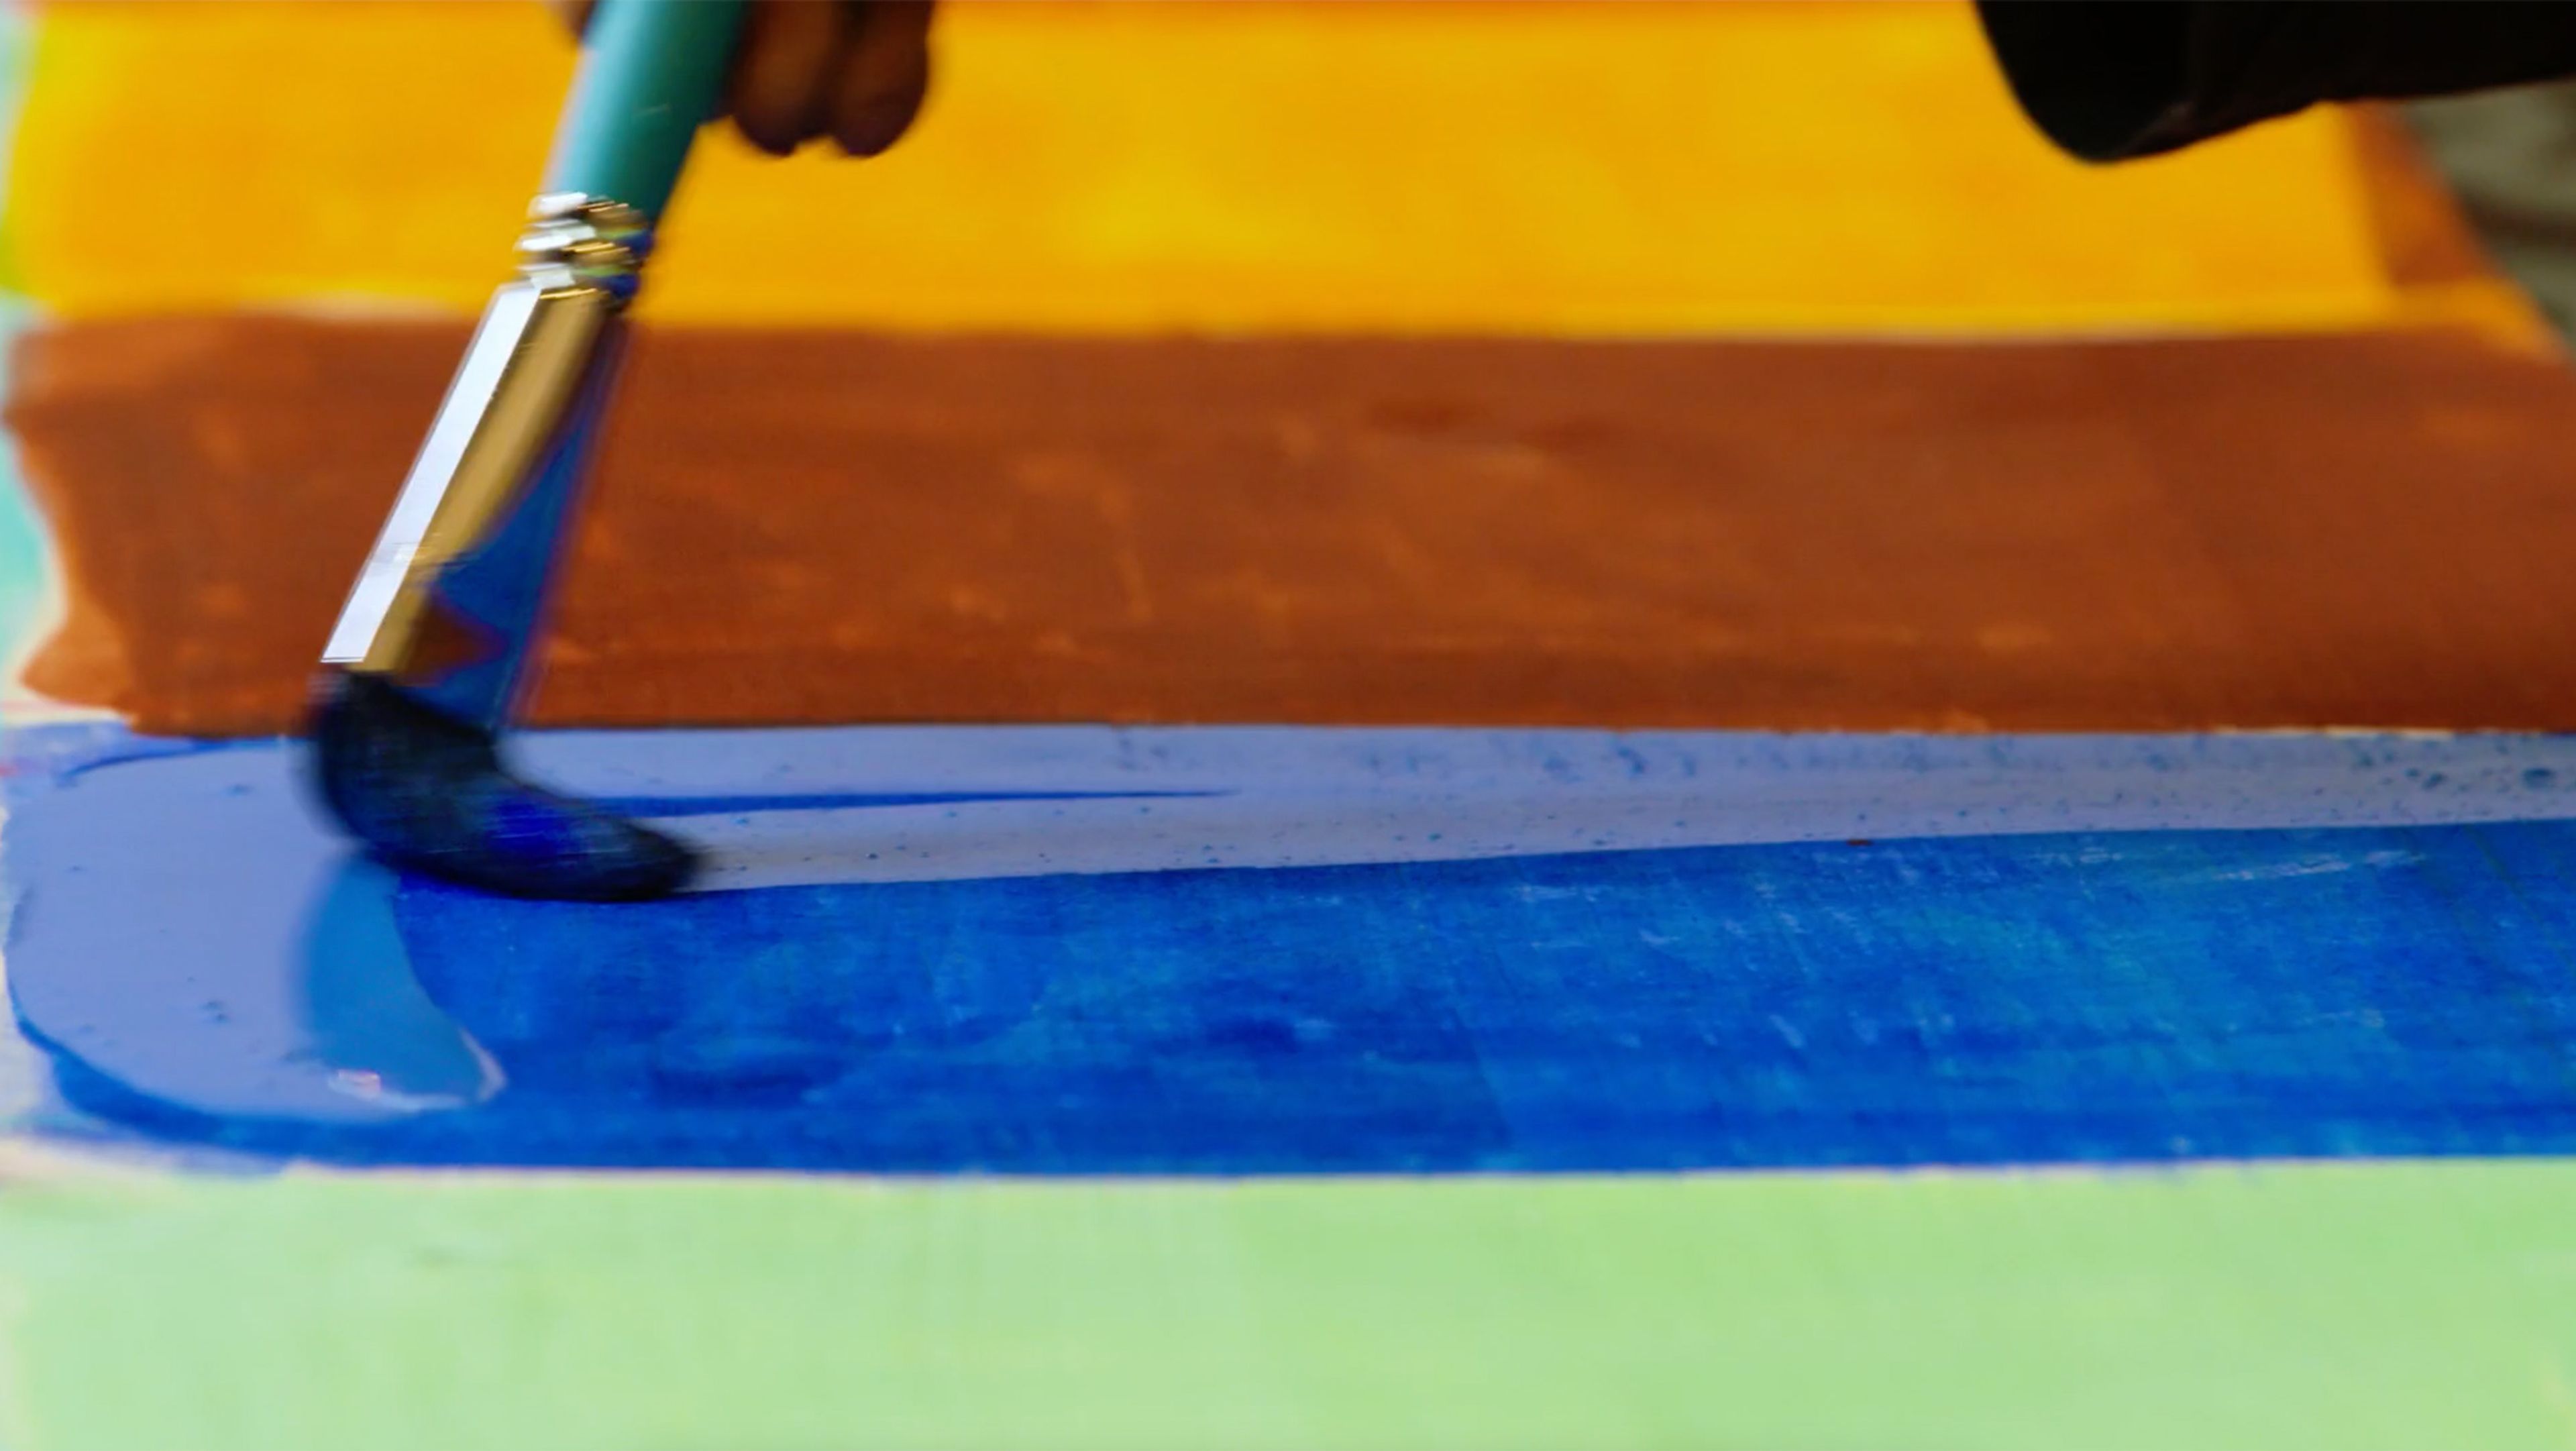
pixel 2349 1306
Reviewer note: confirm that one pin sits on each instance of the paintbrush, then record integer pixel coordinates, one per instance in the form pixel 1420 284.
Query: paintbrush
pixel 428 663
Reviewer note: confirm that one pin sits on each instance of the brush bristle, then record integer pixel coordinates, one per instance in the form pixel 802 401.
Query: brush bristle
pixel 429 792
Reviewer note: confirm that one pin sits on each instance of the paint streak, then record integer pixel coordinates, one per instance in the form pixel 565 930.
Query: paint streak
pixel 208 966
pixel 26 585
pixel 830 528
pixel 686 806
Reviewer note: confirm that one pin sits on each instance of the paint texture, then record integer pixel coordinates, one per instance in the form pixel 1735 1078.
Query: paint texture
pixel 208 965
pixel 1653 169
pixel 934 930
pixel 2340 1308
pixel 1546 952
pixel 26 563
pixel 821 527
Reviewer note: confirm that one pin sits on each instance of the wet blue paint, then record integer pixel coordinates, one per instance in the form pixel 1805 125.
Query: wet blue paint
pixel 679 807
pixel 2073 996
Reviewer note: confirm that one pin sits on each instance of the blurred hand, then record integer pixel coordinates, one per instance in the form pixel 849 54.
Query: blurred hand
pixel 853 70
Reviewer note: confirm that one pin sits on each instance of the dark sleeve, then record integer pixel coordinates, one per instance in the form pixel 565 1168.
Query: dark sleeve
pixel 2111 79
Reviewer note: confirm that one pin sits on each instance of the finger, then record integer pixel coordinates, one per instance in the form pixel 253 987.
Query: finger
pixel 882 80
pixel 781 69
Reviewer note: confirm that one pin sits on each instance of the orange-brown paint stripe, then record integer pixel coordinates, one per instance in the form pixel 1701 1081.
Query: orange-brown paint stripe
pixel 799 526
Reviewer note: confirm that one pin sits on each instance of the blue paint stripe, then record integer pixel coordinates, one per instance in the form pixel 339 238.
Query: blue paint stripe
pixel 1987 1000
pixel 682 807
pixel 205 965
pixel 1984 1000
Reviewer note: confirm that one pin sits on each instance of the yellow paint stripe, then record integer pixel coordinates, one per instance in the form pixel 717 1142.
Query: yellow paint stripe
pixel 1534 168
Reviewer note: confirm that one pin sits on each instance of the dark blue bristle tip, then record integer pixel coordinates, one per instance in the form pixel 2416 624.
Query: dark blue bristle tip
pixel 427 791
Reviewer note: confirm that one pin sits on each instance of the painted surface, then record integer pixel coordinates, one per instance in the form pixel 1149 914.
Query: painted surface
pixel 1274 951
pixel 2341 1308
pixel 834 527
pixel 1654 169
pixel 27 589
pixel 1125 170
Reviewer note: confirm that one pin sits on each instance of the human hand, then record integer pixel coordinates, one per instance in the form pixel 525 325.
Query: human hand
pixel 853 70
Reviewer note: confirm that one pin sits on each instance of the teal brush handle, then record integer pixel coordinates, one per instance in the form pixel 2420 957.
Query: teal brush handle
pixel 651 71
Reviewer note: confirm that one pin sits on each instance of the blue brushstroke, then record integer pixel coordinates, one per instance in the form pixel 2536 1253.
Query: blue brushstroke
pixel 207 967
pixel 672 807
